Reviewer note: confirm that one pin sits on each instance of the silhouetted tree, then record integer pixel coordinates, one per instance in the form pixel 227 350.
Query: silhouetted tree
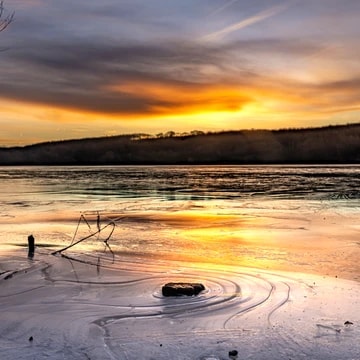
pixel 170 133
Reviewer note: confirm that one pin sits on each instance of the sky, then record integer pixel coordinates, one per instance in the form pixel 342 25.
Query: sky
pixel 85 68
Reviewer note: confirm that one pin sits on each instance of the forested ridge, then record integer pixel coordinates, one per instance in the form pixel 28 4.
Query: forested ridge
pixel 331 144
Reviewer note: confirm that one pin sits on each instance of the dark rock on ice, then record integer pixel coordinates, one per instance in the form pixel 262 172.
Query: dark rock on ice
pixel 233 354
pixel 348 323
pixel 181 288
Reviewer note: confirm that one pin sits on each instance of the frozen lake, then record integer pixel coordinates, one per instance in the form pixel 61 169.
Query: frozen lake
pixel 227 214
pixel 277 249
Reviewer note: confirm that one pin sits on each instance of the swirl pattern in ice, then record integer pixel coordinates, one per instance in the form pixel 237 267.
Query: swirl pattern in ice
pixel 91 308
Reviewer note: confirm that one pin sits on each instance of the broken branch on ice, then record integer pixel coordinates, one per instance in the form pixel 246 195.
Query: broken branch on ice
pixel 99 228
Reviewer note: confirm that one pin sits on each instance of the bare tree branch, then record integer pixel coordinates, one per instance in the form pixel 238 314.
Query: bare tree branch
pixel 99 229
pixel 87 237
pixel 5 20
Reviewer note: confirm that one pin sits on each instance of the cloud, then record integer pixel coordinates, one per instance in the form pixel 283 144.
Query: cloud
pixel 182 98
pixel 150 78
pixel 263 15
pixel 83 76
pixel 100 62
pixel 223 7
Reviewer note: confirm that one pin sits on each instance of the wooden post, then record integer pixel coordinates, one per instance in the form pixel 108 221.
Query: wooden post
pixel 31 243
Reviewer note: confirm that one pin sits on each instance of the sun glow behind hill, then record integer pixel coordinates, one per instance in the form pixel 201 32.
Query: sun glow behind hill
pixel 211 68
pixel 207 108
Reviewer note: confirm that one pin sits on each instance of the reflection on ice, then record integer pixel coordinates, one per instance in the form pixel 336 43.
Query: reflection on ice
pixel 271 234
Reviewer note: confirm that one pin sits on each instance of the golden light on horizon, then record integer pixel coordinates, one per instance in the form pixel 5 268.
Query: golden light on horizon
pixel 211 68
pixel 175 107
pixel 179 99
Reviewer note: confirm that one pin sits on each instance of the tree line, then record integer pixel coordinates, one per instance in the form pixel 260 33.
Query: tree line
pixel 332 144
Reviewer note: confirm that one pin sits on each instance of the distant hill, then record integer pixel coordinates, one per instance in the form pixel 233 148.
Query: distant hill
pixel 331 144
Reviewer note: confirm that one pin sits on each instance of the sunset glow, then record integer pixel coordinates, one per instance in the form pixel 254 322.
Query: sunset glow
pixel 149 67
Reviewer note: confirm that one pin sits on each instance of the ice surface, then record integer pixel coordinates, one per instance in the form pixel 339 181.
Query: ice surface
pixel 277 249
pixel 80 307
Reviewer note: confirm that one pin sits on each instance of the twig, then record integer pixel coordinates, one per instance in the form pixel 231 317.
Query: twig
pixel 82 217
pixel 106 241
pixel 82 239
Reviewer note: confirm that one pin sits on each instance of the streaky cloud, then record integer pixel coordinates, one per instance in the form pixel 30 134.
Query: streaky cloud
pixel 223 7
pixel 262 15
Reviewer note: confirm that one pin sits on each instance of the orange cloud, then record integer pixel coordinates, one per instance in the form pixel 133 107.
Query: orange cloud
pixel 171 99
pixel 258 102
